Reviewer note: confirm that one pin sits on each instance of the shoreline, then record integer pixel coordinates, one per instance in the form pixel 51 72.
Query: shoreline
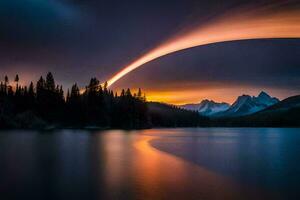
pixel 95 128
pixel 230 189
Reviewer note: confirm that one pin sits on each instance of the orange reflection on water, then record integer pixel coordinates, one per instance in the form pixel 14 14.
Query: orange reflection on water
pixel 135 169
pixel 117 154
pixel 162 176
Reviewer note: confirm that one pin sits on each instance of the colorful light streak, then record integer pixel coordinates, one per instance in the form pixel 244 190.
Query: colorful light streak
pixel 264 23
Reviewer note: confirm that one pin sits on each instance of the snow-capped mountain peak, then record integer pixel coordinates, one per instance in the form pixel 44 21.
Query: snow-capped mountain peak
pixel 207 107
pixel 246 104
pixel 266 99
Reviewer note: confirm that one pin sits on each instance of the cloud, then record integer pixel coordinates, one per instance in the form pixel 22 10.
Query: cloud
pixel 33 21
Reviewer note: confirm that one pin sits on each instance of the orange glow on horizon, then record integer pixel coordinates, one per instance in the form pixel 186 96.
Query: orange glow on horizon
pixel 258 24
pixel 219 94
pixel 191 93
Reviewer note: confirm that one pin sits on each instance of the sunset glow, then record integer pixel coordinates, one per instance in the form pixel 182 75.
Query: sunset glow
pixel 258 24
pixel 151 100
pixel 226 94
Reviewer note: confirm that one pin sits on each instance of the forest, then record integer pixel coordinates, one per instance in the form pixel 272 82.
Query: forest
pixel 46 105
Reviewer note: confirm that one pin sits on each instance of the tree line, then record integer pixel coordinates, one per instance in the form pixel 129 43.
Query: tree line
pixel 45 103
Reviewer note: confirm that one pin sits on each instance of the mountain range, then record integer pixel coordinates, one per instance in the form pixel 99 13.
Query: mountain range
pixel 244 105
pixel 258 111
pixel 284 113
pixel 207 107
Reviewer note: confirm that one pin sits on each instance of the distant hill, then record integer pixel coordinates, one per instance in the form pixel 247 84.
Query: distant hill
pixel 166 115
pixel 284 113
pixel 284 105
pixel 246 105
pixel 207 107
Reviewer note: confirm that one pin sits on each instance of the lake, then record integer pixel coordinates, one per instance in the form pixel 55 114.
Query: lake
pixel 189 163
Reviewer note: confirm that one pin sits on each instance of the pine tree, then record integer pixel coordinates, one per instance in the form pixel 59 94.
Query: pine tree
pixel 50 83
pixel 128 93
pixel 41 98
pixel 139 94
pixel 123 93
pixel 31 90
pixel 17 80
pixel 75 91
pixel 61 93
pixel 6 81
pixel 94 82
pixel 2 91
pixel 76 111
pixel 105 88
pixel 40 87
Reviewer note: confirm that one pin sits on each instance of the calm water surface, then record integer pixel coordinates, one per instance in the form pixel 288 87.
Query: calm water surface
pixel 214 163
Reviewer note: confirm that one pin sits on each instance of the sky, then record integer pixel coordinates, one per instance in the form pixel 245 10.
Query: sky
pixel 80 39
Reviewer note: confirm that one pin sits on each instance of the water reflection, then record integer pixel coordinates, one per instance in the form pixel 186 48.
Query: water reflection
pixel 265 158
pixel 134 165
pixel 70 164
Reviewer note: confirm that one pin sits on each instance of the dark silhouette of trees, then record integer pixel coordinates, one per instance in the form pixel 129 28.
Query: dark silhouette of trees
pixel 131 111
pixel 50 83
pixel 49 99
pixel 74 107
pixel 44 104
pixel 17 78
pixel 31 97
pixel 6 80
pixel 164 115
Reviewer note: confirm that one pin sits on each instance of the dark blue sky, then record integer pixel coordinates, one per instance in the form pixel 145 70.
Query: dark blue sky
pixel 78 39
